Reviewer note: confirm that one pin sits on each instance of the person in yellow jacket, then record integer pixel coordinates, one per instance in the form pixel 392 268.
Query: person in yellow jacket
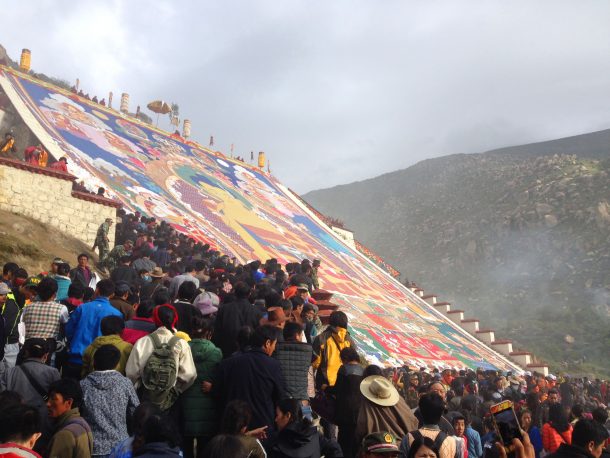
pixel 43 158
pixel 8 144
pixel 327 348
pixel 111 327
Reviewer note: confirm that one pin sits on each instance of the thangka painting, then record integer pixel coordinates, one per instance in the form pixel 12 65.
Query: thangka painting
pixel 243 212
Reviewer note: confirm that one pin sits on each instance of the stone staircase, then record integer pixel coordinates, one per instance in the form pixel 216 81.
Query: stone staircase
pixel 522 358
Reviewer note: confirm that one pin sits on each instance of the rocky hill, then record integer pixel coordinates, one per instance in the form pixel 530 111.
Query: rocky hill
pixel 518 238
pixel 33 245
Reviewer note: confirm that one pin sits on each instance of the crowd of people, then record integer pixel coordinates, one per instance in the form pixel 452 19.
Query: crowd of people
pixel 179 350
pixel 34 154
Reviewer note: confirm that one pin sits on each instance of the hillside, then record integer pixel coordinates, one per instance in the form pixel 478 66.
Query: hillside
pixel 33 245
pixel 516 238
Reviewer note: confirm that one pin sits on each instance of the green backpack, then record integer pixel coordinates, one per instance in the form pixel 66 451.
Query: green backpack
pixel 160 373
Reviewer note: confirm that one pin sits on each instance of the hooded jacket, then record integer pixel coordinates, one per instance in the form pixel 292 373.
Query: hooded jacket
pixel 84 326
pixel 109 399
pixel 299 440
pixel 200 414
pixel 113 339
pixel 326 349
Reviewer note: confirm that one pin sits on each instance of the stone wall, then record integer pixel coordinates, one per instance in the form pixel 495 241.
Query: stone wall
pixel 46 196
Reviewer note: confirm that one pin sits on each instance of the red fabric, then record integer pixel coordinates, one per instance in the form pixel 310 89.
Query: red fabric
pixel 74 302
pixel 551 439
pixel 11 450
pixel 59 165
pixel 156 319
pixel 290 292
pixel 133 335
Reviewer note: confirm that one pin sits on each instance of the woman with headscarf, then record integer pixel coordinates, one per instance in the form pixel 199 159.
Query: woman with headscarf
pixel 156 345
pixel 557 430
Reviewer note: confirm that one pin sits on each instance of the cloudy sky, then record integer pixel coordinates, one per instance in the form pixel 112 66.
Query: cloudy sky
pixel 342 90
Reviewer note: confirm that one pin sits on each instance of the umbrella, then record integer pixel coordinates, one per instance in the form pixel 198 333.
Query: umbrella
pixel 159 107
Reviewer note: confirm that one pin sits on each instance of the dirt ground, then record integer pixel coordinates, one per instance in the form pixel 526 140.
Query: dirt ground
pixel 33 245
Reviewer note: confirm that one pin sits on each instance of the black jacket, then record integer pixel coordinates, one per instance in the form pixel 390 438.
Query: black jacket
pixel 186 311
pixel 295 359
pixel 255 378
pixel 11 314
pixel 298 440
pixel 230 319
pixel 77 276
pixel 347 394
pixel 443 424
pixel 570 451
pixel 125 273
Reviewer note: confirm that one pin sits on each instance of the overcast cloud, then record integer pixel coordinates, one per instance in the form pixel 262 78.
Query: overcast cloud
pixel 337 91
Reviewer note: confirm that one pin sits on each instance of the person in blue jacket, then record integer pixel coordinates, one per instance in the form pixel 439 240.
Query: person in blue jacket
pixel 84 326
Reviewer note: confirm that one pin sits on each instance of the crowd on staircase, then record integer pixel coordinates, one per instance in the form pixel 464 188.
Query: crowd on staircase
pixel 179 350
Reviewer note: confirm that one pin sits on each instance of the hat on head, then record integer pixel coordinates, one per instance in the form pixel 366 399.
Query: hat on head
pixel 275 316
pixel 122 287
pixel 4 289
pixel 31 282
pixel 109 220
pixel 205 303
pixel 380 443
pixel 551 377
pixel 514 380
pixel 58 261
pixel 379 390
pixel 303 286
pixel 157 272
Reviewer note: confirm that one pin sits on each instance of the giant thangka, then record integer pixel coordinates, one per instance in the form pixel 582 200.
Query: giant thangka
pixel 243 212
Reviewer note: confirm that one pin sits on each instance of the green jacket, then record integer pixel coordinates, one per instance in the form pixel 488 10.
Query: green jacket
pixel 200 414
pixel 72 438
pixel 101 238
pixel 113 258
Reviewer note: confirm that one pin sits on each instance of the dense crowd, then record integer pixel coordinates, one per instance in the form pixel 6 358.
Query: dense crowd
pixel 183 351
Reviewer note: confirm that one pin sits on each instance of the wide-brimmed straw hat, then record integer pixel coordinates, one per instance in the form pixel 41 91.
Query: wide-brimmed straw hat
pixel 157 272
pixel 379 390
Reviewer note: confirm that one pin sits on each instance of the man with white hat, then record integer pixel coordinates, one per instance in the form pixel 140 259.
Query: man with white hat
pixel 383 409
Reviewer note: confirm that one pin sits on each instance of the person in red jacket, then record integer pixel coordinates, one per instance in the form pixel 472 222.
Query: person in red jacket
pixel 557 431
pixel 61 165
pixel 141 325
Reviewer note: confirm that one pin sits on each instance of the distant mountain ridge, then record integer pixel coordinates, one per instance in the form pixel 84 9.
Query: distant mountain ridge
pixel 593 145
pixel 519 237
